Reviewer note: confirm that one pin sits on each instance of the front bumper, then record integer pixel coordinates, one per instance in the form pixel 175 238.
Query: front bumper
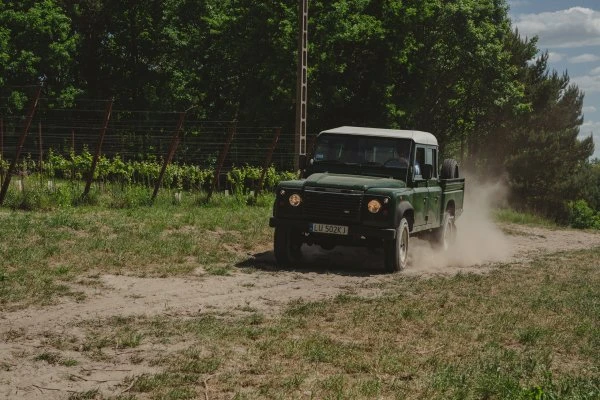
pixel 354 231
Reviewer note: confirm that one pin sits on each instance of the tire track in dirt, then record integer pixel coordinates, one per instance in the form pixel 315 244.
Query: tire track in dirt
pixel 325 275
pixel 255 285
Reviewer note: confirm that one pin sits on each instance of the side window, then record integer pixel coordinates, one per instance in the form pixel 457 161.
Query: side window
pixel 431 159
pixel 419 161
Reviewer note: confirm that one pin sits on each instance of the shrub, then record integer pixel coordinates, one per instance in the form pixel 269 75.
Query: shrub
pixel 582 216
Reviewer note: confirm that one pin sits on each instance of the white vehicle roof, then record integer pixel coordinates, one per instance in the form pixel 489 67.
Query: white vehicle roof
pixel 417 136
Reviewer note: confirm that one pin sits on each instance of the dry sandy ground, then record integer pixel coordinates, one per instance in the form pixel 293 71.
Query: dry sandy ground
pixel 255 283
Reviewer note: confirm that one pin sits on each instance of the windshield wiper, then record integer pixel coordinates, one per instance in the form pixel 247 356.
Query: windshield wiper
pixel 332 161
pixel 337 162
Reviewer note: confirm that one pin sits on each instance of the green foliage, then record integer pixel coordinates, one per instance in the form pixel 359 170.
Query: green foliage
pixel 37 43
pixel 125 184
pixel 454 68
pixel 145 173
pixel 582 216
pixel 588 183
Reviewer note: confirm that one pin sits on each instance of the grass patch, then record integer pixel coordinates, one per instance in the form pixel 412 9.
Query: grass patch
pixel 508 215
pixel 87 395
pixel 55 358
pixel 44 254
pixel 518 332
pixel 50 358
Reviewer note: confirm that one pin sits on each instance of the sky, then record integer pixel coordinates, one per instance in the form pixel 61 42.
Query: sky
pixel 570 31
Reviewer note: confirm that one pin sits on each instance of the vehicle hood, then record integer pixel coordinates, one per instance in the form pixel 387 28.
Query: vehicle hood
pixel 352 182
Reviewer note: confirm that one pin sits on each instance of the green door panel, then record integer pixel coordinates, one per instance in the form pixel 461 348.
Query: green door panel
pixel 435 209
pixel 421 197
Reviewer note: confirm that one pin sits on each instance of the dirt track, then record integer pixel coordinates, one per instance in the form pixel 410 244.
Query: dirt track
pixel 255 284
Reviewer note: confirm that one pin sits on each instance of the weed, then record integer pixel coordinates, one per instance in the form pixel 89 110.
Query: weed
pixel 88 395
pixel 50 358
pixel 69 362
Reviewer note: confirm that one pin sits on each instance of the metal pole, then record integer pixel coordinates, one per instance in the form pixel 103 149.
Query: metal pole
pixel 107 114
pixel 221 161
pixel 14 162
pixel 301 83
pixel 267 163
pixel 172 149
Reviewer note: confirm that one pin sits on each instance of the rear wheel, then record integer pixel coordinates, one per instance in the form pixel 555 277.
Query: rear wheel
pixel 396 251
pixel 287 246
pixel 446 234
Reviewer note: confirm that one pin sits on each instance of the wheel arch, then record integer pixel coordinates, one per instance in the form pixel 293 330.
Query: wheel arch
pixel 450 207
pixel 405 210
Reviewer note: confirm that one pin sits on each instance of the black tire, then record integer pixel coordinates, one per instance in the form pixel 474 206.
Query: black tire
pixel 450 169
pixel 287 246
pixel 396 251
pixel 445 236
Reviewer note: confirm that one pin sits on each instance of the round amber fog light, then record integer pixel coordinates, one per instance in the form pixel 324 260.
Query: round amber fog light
pixel 295 200
pixel 374 206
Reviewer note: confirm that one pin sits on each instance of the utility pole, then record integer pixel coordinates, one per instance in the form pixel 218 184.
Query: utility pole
pixel 302 86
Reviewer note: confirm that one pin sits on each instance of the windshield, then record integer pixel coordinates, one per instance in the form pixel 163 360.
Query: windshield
pixel 362 151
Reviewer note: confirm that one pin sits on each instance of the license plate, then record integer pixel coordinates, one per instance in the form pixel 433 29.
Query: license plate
pixel 329 229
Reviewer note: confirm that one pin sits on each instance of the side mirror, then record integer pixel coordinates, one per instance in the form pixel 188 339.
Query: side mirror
pixel 427 171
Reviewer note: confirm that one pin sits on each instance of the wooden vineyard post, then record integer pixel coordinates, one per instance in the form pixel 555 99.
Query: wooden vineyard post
pixel 267 163
pixel 90 178
pixel 20 144
pixel 221 161
pixel 174 143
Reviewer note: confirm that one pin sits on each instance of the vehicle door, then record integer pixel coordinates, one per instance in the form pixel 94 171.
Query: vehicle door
pixel 421 191
pixel 435 191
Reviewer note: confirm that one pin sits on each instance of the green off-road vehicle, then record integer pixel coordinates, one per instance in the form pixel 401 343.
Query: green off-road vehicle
pixel 369 187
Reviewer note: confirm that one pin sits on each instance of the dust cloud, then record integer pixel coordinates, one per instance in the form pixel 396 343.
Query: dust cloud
pixel 479 240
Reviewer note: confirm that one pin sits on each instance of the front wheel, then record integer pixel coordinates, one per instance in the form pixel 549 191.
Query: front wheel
pixel 396 251
pixel 287 246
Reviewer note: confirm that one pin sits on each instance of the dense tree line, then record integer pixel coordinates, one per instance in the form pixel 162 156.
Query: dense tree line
pixel 456 68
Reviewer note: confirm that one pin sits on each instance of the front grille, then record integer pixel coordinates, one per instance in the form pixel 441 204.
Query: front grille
pixel 332 206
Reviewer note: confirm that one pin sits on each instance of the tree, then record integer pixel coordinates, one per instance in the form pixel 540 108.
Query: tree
pixel 37 46
pixel 547 155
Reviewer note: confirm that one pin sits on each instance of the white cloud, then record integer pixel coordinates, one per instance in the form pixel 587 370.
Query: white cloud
pixel 589 109
pixel 555 57
pixel 590 126
pixel 584 58
pixel 574 27
pixel 595 71
pixel 587 83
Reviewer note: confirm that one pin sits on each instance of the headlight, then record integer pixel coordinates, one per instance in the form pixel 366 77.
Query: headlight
pixel 374 206
pixel 295 200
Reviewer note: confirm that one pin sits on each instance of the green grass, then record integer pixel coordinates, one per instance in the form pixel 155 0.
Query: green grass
pixel 519 332
pixel 58 253
pixel 508 215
